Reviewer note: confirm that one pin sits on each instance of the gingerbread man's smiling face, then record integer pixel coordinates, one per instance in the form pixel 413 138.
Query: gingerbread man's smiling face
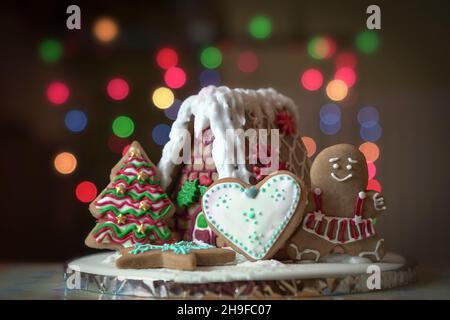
pixel 341 165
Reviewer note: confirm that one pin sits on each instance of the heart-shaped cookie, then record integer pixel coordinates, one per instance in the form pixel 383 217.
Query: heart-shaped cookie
pixel 256 220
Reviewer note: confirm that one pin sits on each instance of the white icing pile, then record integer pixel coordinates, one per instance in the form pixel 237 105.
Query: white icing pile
pixel 222 108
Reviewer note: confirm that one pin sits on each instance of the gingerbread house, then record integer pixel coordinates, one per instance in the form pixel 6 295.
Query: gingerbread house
pixel 208 116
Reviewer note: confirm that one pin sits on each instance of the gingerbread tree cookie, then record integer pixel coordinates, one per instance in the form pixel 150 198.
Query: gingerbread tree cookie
pixel 133 208
pixel 341 215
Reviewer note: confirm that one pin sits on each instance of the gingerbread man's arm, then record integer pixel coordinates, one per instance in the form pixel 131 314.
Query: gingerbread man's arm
pixel 374 204
pixel 311 206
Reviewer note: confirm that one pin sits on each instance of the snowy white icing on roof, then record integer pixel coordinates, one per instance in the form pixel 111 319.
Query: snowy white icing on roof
pixel 222 108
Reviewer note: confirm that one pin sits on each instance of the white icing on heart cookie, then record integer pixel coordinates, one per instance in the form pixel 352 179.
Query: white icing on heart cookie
pixel 250 218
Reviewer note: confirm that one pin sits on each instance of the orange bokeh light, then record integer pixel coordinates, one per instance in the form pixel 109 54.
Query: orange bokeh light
pixel 106 30
pixel 65 163
pixel 337 90
pixel 370 151
pixel 310 145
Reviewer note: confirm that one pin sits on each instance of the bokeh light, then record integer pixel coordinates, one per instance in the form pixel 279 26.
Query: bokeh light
pixel 330 114
pixel 116 144
pixel 372 133
pixel 58 92
pixel 163 98
pixel 260 27
pixel 123 126
pixel 211 57
pixel 106 29
pixel 368 116
pixel 312 79
pixel 370 151
pixel 65 163
pixel 330 129
pixel 209 78
pixel 167 58
pixel 50 50
pixel 321 48
pixel 160 134
pixel 117 89
pixel 310 146
pixel 337 90
pixel 346 74
pixel 367 41
pixel 345 59
pixel 86 191
pixel 247 62
pixel 175 77
pixel 374 185
pixel 125 149
pixel 172 111
pixel 372 169
pixel 75 120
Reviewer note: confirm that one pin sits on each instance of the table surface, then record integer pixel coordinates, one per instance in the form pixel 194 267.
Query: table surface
pixel 45 281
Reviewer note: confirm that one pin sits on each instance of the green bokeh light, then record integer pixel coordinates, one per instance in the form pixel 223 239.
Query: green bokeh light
pixel 312 48
pixel 50 50
pixel 211 57
pixel 367 41
pixel 260 27
pixel 123 126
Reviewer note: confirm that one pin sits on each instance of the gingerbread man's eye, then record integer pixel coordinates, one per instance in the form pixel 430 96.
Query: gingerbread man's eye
pixel 335 166
pixel 349 167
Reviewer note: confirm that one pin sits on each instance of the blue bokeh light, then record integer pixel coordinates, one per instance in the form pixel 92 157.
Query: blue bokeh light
pixel 372 133
pixel 75 120
pixel 330 114
pixel 160 134
pixel 368 116
pixel 330 129
pixel 172 111
pixel 209 77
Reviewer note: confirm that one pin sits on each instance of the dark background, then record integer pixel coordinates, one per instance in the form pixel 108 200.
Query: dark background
pixel 407 79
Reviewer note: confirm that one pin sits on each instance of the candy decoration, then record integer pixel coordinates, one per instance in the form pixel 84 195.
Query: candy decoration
pixel 188 193
pixel 132 208
pixel 286 122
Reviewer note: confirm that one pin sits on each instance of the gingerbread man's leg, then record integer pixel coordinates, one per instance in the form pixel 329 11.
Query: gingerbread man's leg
pixel 306 246
pixel 372 248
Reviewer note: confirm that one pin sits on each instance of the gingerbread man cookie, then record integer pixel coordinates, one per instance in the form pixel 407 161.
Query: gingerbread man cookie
pixel 182 255
pixel 341 213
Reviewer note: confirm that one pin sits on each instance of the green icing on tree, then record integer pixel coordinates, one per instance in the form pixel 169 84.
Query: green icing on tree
pixel 188 193
pixel 201 221
pixel 202 189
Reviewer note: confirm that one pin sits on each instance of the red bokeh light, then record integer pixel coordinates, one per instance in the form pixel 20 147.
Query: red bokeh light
pixel 116 144
pixel 345 59
pixel 247 62
pixel 372 169
pixel 175 77
pixel 167 58
pixel 117 89
pixel 86 191
pixel 125 149
pixel 374 185
pixel 346 74
pixel 57 92
pixel 312 79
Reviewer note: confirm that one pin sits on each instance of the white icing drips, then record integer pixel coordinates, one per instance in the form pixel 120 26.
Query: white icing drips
pixel 222 108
